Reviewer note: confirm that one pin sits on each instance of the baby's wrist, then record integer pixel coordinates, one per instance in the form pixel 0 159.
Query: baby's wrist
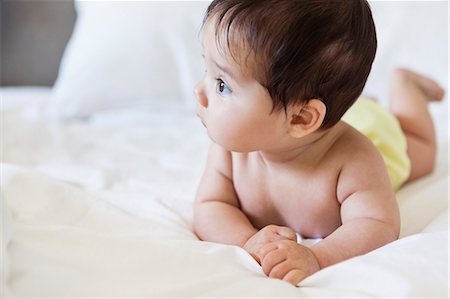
pixel 317 258
pixel 247 237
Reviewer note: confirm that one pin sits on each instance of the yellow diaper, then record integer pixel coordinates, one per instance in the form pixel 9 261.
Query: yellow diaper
pixel 383 129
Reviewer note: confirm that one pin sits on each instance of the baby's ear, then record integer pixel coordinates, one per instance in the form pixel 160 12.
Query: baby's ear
pixel 306 118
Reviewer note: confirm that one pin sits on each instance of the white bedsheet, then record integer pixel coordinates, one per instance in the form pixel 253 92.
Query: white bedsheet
pixel 103 208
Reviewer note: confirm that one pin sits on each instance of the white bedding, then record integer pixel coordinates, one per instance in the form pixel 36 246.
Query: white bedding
pixel 103 208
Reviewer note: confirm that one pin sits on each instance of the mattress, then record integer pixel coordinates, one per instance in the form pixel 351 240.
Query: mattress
pixel 104 208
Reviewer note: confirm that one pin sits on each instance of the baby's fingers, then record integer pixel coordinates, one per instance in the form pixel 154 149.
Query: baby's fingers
pixel 272 264
pixel 287 232
pixel 269 247
pixel 295 276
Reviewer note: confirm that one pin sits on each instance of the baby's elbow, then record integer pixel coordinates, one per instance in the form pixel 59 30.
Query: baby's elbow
pixel 392 230
pixel 389 229
pixel 431 166
pixel 201 218
pixel 395 220
pixel 395 232
pixel 198 226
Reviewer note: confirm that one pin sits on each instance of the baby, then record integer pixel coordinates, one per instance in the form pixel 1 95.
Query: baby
pixel 280 75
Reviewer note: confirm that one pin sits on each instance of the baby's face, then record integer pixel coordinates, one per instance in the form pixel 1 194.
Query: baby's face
pixel 235 108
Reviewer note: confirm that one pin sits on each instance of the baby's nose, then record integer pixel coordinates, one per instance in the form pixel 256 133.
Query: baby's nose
pixel 199 92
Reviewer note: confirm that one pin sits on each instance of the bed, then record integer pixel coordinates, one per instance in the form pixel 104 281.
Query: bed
pixel 99 172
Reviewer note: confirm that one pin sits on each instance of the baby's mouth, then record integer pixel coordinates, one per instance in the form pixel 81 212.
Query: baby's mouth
pixel 203 123
pixel 201 119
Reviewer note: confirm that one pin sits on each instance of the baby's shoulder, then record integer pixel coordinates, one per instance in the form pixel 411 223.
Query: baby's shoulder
pixel 219 159
pixel 354 147
pixel 362 164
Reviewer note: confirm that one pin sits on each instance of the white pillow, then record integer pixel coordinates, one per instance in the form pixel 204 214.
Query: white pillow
pixel 129 53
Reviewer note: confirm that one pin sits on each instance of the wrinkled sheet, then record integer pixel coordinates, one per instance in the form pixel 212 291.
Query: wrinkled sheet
pixel 103 208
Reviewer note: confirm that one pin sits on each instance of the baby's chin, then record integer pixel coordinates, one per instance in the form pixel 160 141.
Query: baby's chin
pixel 227 143
pixel 231 147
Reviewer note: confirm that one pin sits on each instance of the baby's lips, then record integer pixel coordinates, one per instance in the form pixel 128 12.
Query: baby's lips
pixel 201 119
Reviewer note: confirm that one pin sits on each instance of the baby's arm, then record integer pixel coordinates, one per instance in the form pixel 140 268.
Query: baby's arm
pixel 370 219
pixel 217 216
pixel 369 211
pixel 217 213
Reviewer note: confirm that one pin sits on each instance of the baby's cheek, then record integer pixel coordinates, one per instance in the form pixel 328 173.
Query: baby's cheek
pixel 232 126
pixel 229 137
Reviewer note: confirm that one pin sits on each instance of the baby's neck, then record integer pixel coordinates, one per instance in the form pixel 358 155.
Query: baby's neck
pixel 304 150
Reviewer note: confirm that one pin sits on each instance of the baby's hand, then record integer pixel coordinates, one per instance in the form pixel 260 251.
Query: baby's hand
pixel 266 235
pixel 288 260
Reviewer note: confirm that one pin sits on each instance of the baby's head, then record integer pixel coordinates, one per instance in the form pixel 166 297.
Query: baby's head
pixel 296 50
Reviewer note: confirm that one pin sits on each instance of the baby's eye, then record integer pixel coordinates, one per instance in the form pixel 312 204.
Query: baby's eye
pixel 222 88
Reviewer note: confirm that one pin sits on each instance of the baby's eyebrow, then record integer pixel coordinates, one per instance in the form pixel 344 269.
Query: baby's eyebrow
pixel 224 69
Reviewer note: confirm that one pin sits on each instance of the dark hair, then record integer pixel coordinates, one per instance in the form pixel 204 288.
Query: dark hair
pixel 301 49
